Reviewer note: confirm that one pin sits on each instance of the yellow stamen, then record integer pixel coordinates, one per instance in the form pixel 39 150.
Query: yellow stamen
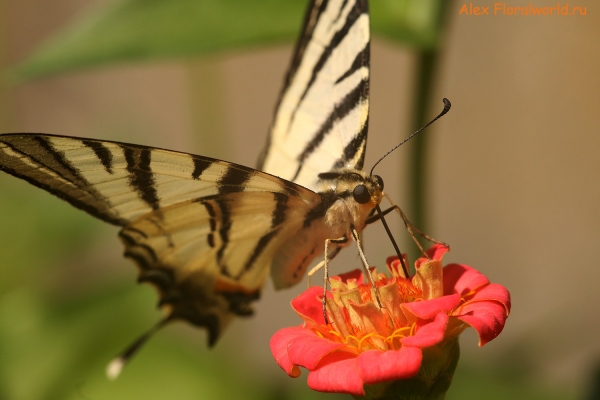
pixel 367 336
pixel 347 340
pixel 413 329
pixel 335 333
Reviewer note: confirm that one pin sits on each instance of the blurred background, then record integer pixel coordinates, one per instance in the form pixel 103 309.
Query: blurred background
pixel 510 179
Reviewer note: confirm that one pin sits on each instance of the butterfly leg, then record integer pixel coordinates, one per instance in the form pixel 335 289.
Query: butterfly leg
pixel 325 264
pixel 313 271
pixel 356 237
pixel 320 265
pixel 409 227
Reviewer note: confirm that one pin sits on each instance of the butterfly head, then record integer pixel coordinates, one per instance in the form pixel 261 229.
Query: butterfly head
pixel 364 189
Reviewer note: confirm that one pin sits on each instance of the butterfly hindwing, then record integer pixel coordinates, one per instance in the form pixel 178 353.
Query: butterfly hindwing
pixel 209 257
pixel 321 120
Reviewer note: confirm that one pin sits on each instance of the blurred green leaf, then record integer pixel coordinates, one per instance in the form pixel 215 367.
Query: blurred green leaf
pixel 58 348
pixel 27 218
pixel 160 29
pixel 415 23
pixel 474 382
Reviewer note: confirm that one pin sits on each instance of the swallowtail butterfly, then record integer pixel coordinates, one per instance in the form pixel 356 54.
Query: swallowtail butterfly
pixel 207 232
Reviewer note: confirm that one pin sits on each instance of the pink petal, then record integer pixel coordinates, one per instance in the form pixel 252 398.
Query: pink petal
pixel 435 252
pixel 462 279
pixel 309 306
pixel 279 348
pixel 488 319
pixel 309 349
pixel 376 366
pixel 493 292
pixel 337 374
pixel 429 334
pixel 429 308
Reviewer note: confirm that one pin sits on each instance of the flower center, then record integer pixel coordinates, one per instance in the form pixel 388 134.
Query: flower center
pixel 357 320
pixel 373 340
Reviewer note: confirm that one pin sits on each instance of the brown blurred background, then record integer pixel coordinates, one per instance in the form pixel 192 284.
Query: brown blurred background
pixel 513 185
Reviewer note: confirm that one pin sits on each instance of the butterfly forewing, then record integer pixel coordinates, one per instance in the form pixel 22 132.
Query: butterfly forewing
pixel 322 116
pixel 120 182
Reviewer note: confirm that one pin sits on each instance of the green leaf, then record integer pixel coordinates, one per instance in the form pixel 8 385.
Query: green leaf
pixel 164 29
pixel 416 23
pixel 161 29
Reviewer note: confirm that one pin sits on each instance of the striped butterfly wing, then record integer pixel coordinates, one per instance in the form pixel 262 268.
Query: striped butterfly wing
pixel 322 116
pixel 203 231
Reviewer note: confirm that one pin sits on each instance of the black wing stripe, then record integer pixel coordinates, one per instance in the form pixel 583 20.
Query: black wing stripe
pixel 311 19
pixel 142 253
pixel 342 109
pixel 353 16
pixel 102 152
pixel 327 200
pixel 200 165
pixel 308 26
pixel 66 197
pixel 258 249
pixel 212 222
pixel 359 61
pixel 277 218
pixel 141 177
pixel 52 160
pixel 281 207
pixel 65 182
pixel 139 232
pixel 290 188
pixel 341 8
pixel 226 224
pixel 59 158
pixel 232 181
pixel 223 232
pixel 357 144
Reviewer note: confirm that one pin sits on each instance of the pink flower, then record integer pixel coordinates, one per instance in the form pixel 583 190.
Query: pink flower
pixel 365 349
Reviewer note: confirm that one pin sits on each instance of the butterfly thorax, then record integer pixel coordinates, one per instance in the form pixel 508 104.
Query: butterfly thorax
pixel 347 198
pixel 350 195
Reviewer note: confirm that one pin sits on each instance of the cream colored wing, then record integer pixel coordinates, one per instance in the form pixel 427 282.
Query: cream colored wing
pixel 322 116
pixel 119 182
pixel 209 257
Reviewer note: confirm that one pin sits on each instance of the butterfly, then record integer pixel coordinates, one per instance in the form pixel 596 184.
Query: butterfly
pixel 207 232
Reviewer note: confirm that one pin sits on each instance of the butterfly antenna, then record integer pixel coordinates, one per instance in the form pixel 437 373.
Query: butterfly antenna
pixel 447 106
pixel 114 368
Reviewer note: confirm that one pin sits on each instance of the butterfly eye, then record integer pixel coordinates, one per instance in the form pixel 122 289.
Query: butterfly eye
pixel 379 181
pixel 361 194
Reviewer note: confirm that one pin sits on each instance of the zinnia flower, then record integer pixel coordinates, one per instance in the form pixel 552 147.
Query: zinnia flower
pixel 408 348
